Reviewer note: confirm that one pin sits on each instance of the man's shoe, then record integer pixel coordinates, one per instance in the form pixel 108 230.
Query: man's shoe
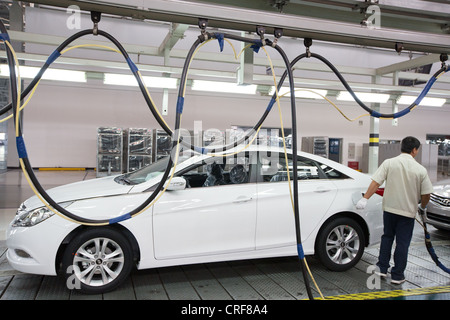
pixel 397 281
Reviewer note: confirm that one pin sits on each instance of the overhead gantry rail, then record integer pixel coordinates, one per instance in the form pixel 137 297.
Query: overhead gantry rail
pixel 420 26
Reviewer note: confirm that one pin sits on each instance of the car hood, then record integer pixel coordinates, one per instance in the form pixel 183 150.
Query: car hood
pixel 82 190
pixel 442 189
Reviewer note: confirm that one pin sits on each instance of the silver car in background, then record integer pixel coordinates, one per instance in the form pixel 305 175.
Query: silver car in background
pixel 438 209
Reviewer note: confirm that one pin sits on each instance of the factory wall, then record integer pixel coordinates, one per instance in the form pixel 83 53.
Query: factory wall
pixel 60 124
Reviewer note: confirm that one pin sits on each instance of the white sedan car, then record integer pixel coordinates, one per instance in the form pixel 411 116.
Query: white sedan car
pixel 215 209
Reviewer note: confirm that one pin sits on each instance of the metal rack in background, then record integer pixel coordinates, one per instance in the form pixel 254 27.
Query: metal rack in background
pixel 316 145
pixel 122 150
pixel 109 151
pixel 138 148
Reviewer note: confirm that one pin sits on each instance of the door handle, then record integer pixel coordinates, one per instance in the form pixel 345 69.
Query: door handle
pixel 242 199
pixel 321 190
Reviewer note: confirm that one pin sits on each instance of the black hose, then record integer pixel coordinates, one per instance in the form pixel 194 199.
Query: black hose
pixel 372 112
pixel 54 56
pixel 22 151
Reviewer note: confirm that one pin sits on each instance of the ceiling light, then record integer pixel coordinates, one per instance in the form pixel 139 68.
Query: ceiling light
pixel 50 74
pixel 363 96
pixel 228 87
pixel 301 93
pixel 130 80
pixel 429 102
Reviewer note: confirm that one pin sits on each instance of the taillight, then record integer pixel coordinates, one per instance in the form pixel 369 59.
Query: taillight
pixel 380 191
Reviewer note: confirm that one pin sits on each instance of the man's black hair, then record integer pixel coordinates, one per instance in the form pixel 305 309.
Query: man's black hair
pixel 409 143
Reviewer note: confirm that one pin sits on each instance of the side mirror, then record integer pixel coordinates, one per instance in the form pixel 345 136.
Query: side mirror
pixel 177 183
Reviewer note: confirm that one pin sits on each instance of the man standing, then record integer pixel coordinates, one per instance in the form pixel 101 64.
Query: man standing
pixel 406 183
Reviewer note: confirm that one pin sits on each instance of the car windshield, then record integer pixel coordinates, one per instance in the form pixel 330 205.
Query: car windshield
pixel 149 172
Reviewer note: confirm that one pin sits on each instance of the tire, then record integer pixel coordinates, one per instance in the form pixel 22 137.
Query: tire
pixel 97 260
pixel 340 244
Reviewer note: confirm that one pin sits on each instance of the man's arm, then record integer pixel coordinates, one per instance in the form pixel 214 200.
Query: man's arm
pixel 373 187
pixel 424 199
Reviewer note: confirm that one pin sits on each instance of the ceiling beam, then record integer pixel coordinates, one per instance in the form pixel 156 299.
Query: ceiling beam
pixel 175 34
pixel 142 50
pixel 237 18
pixel 260 79
pixel 410 64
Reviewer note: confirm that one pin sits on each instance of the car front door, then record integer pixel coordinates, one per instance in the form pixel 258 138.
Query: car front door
pixel 215 214
pixel 276 224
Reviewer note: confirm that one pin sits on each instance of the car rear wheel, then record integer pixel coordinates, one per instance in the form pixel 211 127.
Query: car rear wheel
pixel 340 244
pixel 98 260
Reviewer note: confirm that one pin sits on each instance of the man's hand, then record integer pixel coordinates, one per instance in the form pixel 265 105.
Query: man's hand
pixel 361 204
pixel 421 210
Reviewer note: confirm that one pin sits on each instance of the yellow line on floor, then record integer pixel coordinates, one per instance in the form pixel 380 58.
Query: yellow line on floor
pixel 390 294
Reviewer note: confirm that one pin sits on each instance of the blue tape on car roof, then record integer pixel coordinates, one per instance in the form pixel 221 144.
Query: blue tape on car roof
pixel 21 150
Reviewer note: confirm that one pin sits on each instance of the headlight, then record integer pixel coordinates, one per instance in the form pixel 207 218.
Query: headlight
pixel 29 218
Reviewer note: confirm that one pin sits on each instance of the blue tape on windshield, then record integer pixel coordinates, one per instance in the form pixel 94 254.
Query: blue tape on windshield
pixel 55 55
pixel 220 38
pixel 4 37
pixel 121 218
pixel 132 66
pixel 180 104
pixel 21 150
pixel 301 254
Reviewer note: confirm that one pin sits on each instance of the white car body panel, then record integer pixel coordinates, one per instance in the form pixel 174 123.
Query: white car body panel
pixel 195 222
pixel 231 222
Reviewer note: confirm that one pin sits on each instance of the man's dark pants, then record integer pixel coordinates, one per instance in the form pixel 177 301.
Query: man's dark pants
pixel 401 229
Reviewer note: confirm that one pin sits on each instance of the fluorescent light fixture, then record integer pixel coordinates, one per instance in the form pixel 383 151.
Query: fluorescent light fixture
pixel 130 80
pixel 363 96
pixel 228 87
pixel 50 74
pixel 301 93
pixel 429 102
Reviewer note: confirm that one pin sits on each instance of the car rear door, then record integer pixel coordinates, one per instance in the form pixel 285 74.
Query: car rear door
pixel 275 221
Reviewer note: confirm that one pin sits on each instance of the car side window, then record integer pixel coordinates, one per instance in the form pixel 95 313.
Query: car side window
pixel 218 171
pixel 332 173
pixel 274 169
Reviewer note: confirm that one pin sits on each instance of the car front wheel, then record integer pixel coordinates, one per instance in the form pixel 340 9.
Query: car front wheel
pixel 98 260
pixel 340 244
